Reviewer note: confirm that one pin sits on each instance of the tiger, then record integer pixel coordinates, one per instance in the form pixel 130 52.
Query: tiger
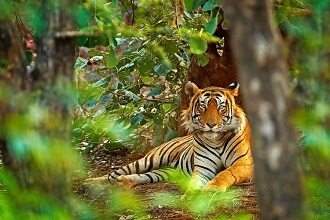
pixel 216 153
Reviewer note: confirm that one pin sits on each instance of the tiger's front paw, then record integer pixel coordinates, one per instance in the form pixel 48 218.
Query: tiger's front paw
pixel 214 186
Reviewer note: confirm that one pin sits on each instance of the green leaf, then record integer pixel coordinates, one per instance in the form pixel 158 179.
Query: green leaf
pixel 147 79
pixel 77 132
pixel 189 5
pixel 136 119
pixel 210 4
pixel 198 45
pixel 212 25
pixel 111 59
pixel 202 60
pixel 167 106
pixel 171 134
pixel 80 63
pixel 81 16
pixel 132 95
pixel 99 83
pixel 192 4
pixel 156 91
pixel 162 69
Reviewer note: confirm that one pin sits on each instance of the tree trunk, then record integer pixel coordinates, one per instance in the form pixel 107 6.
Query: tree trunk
pixel 48 87
pixel 13 76
pixel 264 78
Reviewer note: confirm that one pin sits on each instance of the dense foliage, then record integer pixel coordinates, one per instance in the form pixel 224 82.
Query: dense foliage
pixel 133 82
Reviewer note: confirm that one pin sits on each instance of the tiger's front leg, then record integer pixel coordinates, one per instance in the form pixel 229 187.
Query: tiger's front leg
pixel 197 182
pixel 233 175
pixel 202 173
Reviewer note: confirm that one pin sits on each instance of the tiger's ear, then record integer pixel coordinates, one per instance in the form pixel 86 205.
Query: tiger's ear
pixel 233 88
pixel 191 89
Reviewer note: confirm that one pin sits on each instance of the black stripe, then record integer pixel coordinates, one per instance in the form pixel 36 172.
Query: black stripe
pixel 169 161
pixel 184 156
pixel 195 116
pixel 116 172
pixel 166 147
pixel 158 175
pixel 231 150
pixel 208 159
pixel 158 180
pixel 151 163
pixel 196 138
pixel 192 162
pixel 240 157
pixel 205 176
pixel 123 169
pixel 169 155
pixel 187 166
pixel 148 175
pixel 188 159
pixel 206 168
pixel 129 169
pixel 177 163
pixel 213 153
pixel 111 175
pixel 137 167
pixel 226 143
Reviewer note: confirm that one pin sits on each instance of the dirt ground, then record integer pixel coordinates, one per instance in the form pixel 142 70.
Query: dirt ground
pixel 103 161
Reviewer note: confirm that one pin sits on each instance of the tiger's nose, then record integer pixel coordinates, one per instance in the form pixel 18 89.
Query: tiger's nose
pixel 211 125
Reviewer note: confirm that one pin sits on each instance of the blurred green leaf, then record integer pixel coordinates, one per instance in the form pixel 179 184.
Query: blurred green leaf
pixel 111 59
pixel 136 119
pixel 147 79
pixel 197 45
pixel 156 90
pixel 210 4
pixel 167 106
pixel 202 60
pixel 82 16
pixel 193 4
pixel 162 69
pixel 212 24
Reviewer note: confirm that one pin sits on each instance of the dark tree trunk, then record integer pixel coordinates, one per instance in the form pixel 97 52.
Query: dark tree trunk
pixel 12 75
pixel 264 78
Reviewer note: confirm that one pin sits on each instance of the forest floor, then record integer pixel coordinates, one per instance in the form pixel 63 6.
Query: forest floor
pixel 99 165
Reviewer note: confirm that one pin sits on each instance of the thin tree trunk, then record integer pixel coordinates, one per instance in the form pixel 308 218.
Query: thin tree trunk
pixel 264 78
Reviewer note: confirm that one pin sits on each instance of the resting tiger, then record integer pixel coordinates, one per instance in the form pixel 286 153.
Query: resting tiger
pixel 217 152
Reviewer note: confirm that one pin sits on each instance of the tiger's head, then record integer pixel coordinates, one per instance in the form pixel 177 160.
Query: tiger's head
pixel 213 109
